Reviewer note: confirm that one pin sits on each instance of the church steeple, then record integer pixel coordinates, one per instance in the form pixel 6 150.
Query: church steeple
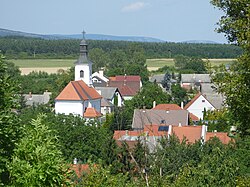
pixel 83 66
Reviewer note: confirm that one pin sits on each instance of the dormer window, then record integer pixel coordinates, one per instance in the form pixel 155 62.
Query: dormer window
pixel 81 74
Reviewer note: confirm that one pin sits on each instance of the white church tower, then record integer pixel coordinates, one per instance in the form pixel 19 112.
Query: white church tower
pixel 83 66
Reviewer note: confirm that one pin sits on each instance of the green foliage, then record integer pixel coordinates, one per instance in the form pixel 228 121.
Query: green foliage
pixel 37 159
pixel 190 64
pixel 101 177
pixel 166 83
pixel 178 94
pixel 9 123
pixel 235 83
pixel 13 47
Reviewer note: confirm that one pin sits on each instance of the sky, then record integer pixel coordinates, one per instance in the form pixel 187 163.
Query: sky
pixel 169 20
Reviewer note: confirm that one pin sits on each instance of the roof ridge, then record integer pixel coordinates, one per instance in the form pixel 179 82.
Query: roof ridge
pixel 76 90
pixel 84 89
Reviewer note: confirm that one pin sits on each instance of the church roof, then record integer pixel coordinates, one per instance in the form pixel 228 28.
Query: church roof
pixel 78 91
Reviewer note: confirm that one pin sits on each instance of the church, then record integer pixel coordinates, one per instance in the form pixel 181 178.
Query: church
pixel 79 97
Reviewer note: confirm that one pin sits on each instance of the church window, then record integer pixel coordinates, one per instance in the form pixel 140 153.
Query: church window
pixel 81 74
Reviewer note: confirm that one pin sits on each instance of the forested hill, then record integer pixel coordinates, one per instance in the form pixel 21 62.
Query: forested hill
pixel 26 47
pixel 6 32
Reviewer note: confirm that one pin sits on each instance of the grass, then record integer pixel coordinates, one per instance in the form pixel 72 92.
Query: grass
pixel 43 63
pixel 170 62
pixel 57 63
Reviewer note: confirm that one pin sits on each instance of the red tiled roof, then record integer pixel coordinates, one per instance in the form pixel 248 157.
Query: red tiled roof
pixel 126 91
pixel 119 134
pixel 134 87
pixel 78 90
pixel 152 130
pixel 192 101
pixel 221 135
pixel 133 78
pixel 167 107
pixel 192 133
pixel 193 117
pixel 91 113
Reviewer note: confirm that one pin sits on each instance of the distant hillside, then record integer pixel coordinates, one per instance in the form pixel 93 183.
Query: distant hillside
pixel 6 32
pixel 200 42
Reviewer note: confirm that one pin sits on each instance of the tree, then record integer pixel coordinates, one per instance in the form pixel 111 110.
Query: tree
pixel 178 94
pixel 166 83
pixel 236 83
pixel 37 159
pixel 9 123
pixel 99 57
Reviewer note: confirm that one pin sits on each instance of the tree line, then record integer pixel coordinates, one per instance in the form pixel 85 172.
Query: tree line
pixel 24 47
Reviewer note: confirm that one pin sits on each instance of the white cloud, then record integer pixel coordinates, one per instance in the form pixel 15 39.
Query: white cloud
pixel 133 7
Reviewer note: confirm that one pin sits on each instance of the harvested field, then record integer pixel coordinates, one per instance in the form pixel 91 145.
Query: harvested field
pixel 26 71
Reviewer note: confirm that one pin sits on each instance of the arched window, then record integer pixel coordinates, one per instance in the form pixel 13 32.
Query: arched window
pixel 81 74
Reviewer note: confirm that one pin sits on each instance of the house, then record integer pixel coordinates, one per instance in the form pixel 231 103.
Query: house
pixel 37 99
pixel 144 117
pixel 191 81
pixel 75 99
pixel 167 107
pixel 79 97
pixel 106 106
pixel 151 134
pixel 159 78
pixel 128 86
pixel 111 94
pixel 198 104
pixel 209 90
pixel 99 80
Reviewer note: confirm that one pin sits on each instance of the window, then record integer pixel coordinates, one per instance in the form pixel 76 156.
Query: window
pixel 81 74
pixel 203 101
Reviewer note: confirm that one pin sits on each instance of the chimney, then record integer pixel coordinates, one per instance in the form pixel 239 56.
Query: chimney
pixel 203 133
pixel 169 130
pixel 30 95
pixel 75 161
pixel 179 125
pixel 101 72
pixel 154 104
pixel 125 79
pixel 182 105
pixel 126 132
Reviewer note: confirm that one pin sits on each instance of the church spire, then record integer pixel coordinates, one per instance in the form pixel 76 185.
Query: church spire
pixel 83 66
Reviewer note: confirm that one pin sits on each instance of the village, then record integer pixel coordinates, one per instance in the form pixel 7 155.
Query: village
pixel 125 111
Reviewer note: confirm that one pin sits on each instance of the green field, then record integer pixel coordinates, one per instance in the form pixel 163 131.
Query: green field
pixel 170 62
pixel 57 63
pixel 43 63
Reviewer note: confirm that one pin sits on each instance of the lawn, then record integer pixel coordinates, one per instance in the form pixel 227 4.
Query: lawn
pixel 43 63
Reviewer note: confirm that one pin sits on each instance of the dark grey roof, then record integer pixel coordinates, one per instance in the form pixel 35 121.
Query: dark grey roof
pixel 105 102
pixel 146 117
pixel 208 88
pixel 158 78
pixel 37 99
pixel 192 78
pixel 107 92
pixel 217 100
pixel 209 91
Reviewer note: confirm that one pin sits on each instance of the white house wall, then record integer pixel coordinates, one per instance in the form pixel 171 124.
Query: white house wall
pixel 69 107
pixel 197 107
pixel 119 97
